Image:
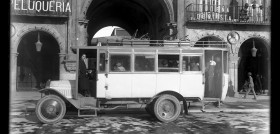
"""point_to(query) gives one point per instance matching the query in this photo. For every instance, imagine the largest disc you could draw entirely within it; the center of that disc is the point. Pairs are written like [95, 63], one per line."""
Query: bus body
[162, 77]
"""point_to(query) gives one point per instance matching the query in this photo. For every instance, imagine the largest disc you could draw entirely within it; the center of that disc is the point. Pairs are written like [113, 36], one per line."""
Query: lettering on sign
[62, 6]
[70, 66]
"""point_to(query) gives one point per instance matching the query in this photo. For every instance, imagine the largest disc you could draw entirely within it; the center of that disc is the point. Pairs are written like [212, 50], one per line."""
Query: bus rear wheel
[50, 109]
[167, 108]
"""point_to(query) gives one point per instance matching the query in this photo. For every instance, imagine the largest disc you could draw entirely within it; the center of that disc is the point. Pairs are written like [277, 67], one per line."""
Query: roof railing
[162, 43]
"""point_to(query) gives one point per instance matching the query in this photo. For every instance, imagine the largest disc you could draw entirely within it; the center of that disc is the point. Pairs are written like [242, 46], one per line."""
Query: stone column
[233, 72]
[181, 19]
[61, 65]
[13, 71]
[82, 37]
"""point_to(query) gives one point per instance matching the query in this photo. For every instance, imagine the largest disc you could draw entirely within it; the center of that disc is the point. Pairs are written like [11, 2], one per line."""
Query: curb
[229, 110]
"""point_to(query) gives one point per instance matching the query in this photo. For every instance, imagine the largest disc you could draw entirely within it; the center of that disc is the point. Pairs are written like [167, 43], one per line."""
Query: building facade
[43, 32]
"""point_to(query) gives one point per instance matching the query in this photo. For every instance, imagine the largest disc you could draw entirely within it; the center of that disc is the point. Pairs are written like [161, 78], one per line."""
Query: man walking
[251, 86]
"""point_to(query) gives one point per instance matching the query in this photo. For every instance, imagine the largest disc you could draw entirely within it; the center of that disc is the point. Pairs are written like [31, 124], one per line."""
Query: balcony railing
[223, 13]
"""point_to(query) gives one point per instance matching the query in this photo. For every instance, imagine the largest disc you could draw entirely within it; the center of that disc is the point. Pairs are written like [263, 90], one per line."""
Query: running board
[87, 109]
[207, 101]
[87, 105]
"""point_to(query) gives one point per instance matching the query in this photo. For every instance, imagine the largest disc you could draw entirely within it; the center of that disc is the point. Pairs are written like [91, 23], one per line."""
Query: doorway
[258, 64]
[35, 67]
[87, 75]
[213, 73]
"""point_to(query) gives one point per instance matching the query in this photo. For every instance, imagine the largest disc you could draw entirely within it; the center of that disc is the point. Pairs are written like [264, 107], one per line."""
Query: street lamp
[38, 44]
[254, 50]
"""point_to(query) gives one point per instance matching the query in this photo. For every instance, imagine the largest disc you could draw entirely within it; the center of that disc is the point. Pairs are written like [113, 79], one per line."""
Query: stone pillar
[82, 37]
[13, 71]
[233, 72]
[181, 19]
[61, 65]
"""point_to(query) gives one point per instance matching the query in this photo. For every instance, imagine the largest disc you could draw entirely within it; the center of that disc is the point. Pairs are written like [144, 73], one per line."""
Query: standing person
[258, 84]
[83, 84]
[209, 75]
[251, 86]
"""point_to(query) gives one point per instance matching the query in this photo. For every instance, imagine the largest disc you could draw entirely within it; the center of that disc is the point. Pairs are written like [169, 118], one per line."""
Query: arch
[24, 32]
[170, 10]
[263, 39]
[146, 16]
[167, 4]
[27, 29]
[203, 40]
[213, 36]
[259, 65]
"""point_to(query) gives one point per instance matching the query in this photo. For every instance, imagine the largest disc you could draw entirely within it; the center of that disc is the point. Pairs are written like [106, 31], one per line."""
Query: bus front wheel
[167, 108]
[50, 109]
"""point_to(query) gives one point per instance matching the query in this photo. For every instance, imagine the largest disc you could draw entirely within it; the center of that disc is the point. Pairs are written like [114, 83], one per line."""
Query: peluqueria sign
[41, 5]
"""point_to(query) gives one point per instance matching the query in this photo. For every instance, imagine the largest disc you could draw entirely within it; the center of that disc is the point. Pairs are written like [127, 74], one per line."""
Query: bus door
[213, 73]
[87, 74]
[225, 75]
[192, 81]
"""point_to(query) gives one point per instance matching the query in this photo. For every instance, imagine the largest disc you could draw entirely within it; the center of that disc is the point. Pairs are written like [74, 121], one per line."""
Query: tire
[167, 108]
[50, 109]
[150, 108]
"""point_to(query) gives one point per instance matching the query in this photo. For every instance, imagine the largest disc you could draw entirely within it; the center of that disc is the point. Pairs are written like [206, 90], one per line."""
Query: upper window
[119, 63]
[191, 63]
[144, 63]
[210, 5]
[168, 63]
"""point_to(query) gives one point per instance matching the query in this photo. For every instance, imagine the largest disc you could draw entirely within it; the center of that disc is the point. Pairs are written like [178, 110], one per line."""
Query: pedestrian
[251, 86]
[258, 84]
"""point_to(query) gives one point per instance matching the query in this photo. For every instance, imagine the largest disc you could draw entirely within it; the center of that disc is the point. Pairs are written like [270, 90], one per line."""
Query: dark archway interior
[148, 16]
[255, 65]
[35, 68]
[206, 41]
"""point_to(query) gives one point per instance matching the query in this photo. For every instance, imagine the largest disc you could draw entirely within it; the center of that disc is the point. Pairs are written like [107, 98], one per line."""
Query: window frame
[119, 54]
[144, 54]
[200, 55]
[179, 64]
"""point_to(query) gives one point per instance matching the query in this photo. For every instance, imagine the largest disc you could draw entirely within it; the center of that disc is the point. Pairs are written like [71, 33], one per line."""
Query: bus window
[144, 63]
[168, 63]
[102, 62]
[191, 63]
[119, 63]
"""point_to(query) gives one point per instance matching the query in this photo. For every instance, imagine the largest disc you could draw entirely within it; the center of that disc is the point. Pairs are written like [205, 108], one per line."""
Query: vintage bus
[163, 75]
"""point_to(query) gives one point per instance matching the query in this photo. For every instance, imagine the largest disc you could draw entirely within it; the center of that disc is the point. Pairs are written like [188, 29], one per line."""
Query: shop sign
[41, 7]
[70, 65]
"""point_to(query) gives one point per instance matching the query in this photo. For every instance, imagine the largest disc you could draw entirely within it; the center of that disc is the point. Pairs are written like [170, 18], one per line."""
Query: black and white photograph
[140, 67]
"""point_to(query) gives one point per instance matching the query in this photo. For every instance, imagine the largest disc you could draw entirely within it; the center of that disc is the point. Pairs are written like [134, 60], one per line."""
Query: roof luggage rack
[161, 43]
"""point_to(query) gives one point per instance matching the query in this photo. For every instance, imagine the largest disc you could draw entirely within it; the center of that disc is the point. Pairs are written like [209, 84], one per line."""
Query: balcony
[228, 14]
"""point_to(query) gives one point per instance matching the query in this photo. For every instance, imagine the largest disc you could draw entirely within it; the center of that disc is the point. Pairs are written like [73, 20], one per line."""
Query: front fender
[48, 91]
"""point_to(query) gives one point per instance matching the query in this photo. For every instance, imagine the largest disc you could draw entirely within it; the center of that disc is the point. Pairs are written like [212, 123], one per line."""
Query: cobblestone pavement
[140, 122]
[234, 116]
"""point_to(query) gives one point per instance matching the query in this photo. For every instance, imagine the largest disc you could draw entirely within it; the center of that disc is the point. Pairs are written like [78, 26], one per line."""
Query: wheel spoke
[50, 109]
[166, 109]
